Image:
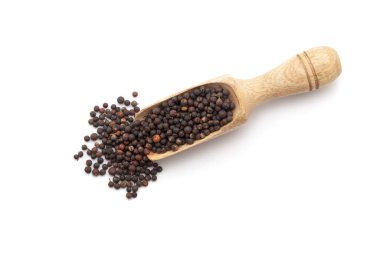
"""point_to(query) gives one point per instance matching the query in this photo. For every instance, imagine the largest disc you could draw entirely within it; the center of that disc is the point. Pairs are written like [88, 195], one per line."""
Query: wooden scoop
[307, 71]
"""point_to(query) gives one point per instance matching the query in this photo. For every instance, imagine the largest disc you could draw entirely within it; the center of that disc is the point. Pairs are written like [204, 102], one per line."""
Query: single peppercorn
[156, 138]
[94, 136]
[87, 169]
[135, 94]
[95, 172]
[120, 100]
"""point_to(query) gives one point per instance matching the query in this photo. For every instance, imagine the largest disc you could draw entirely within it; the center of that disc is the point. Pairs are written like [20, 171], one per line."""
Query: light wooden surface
[307, 71]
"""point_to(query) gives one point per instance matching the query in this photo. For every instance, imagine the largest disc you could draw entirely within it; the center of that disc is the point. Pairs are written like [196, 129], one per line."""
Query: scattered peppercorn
[95, 172]
[87, 169]
[120, 100]
[94, 136]
[123, 144]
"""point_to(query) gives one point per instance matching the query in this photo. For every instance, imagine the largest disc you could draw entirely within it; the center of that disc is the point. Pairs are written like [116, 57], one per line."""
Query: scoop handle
[307, 71]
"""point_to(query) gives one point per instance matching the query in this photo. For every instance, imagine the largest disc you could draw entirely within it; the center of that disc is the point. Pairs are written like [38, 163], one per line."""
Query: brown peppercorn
[94, 136]
[173, 113]
[95, 172]
[135, 94]
[156, 138]
[87, 169]
[112, 171]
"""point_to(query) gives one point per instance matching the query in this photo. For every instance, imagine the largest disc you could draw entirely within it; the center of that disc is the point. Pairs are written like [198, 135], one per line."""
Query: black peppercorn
[87, 169]
[123, 143]
[94, 136]
[95, 172]
[120, 100]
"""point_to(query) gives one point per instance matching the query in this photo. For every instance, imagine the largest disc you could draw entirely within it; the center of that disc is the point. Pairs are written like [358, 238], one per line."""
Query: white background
[303, 174]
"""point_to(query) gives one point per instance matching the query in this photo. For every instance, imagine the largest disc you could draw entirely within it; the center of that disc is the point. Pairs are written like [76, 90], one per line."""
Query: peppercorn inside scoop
[188, 117]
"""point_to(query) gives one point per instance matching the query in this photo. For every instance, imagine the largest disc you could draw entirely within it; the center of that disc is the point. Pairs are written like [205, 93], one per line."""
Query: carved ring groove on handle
[311, 68]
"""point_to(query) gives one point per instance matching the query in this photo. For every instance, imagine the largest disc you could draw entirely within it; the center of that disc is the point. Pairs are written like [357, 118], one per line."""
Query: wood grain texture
[307, 71]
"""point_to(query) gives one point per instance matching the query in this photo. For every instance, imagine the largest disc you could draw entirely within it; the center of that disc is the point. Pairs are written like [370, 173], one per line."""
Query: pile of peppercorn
[186, 118]
[122, 143]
